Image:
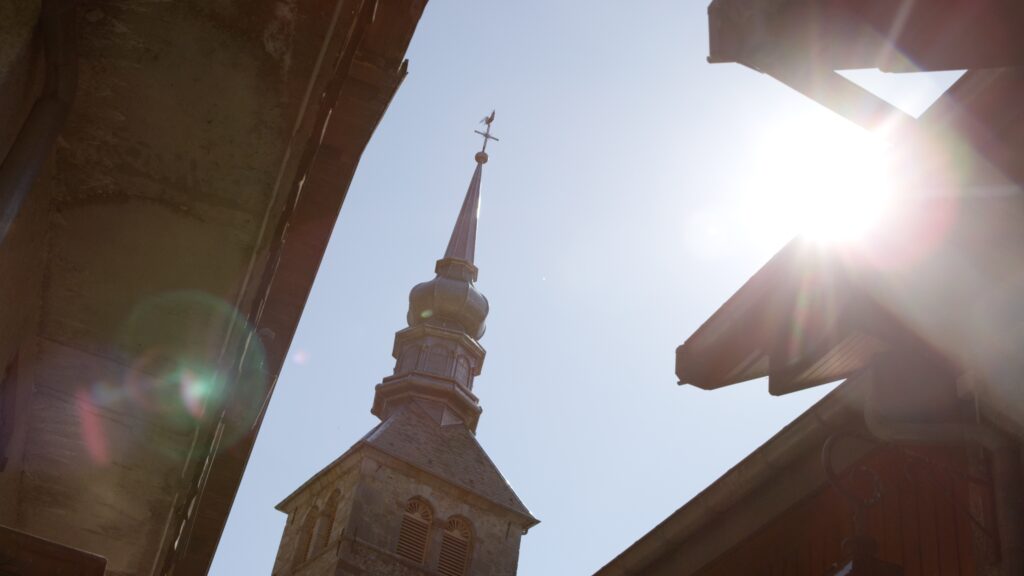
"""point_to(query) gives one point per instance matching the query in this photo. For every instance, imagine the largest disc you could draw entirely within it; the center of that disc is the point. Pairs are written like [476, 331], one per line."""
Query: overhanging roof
[944, 276]
[895, 35]
[177, 229]
[362, 70]
[802, 43]
[801, 320]
[944, 271]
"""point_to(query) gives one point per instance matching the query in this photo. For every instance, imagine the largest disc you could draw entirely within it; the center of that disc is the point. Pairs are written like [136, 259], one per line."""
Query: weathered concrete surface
[16, 34]
[140, 291]
[23, 255]
[90, 458]
[169, 162]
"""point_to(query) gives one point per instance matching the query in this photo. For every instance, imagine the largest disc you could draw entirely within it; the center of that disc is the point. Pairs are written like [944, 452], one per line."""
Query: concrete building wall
[23, 256]
[90, 459]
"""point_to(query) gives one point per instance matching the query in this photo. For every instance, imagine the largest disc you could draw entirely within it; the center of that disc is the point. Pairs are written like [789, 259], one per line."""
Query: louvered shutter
[412, 537]
[455, 544]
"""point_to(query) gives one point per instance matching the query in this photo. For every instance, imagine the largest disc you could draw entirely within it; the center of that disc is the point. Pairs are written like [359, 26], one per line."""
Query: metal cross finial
[487, 135]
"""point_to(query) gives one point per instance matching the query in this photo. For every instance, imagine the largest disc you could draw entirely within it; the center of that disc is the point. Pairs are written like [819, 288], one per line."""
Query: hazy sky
[624, 203]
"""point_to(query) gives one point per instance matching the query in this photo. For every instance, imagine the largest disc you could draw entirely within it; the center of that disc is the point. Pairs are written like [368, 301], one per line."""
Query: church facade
[417, 494]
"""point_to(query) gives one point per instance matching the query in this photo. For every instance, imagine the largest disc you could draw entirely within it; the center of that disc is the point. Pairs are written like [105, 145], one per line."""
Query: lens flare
[300, 357]
[92, 430]
[191, 355]
[195, 390]
[828, 182]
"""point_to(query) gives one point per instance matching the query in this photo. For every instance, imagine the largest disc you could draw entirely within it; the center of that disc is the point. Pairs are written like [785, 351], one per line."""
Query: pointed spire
[462, 245]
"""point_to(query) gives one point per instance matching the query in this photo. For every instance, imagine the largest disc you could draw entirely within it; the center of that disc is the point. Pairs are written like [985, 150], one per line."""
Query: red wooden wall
[922, 522]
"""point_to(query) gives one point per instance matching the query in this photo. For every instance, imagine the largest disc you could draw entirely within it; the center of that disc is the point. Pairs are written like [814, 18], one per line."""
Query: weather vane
[487, 134]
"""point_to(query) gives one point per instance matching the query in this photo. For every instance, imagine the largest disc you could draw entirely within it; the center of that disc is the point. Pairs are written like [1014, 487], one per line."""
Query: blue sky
[616, 216]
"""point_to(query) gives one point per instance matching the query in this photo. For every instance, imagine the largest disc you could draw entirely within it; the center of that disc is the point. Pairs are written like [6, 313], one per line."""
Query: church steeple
[438, 355]
[418, 493]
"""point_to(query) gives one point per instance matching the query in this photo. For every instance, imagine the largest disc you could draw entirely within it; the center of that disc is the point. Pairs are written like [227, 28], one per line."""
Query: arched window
[305, 534]
[412, 537]
[455, 545]
[322, 533]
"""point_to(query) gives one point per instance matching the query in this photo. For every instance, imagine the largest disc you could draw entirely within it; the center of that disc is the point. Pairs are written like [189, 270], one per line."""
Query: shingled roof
[448, 451]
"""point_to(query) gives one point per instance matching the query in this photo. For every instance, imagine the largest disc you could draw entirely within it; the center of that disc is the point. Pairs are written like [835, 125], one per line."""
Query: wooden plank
[963, 522]
[892, 544]
[917, 525]
[814, 541]
[945, 518]
[909, 524]
[926, 524]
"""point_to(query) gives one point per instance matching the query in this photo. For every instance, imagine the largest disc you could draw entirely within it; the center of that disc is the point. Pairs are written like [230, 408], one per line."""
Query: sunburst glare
[825, 181]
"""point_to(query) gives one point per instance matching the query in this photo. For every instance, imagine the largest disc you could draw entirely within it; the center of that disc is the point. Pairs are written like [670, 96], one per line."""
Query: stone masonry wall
[374, 489]
[343, 478]
[380, 503]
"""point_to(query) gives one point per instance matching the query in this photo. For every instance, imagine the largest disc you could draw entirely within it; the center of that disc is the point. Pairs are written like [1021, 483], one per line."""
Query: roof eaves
[808, 431]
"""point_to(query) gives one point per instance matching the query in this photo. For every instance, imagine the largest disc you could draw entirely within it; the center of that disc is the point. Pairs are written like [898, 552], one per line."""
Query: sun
[829, 182]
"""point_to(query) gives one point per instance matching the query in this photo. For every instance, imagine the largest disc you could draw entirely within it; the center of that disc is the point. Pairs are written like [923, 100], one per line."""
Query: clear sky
[629, 196]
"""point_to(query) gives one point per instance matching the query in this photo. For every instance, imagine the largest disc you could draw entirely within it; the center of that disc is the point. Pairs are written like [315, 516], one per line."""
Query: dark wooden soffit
[803, 42]
[27, 555]
[773, 326]
[893, 35]
[368, 63]
[942, 278]
[810, 316]
[980, 113]
[801, 320]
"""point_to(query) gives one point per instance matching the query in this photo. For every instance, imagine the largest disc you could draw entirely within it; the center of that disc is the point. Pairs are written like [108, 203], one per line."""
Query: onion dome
[451, 299]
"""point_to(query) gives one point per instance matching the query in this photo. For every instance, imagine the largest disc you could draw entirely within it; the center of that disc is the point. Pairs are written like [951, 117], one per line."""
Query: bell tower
[418, 495]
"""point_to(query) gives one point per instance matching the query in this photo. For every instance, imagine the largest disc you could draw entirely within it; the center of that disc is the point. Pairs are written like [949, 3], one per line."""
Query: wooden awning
[802, 320]
[943, 277]
[946, 272]
[802, 43]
